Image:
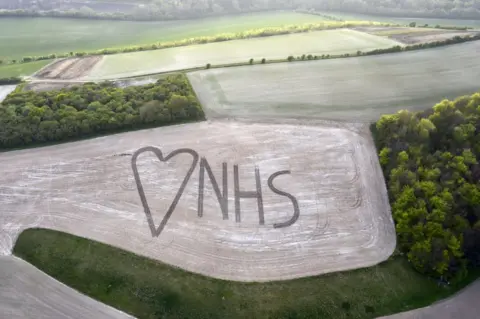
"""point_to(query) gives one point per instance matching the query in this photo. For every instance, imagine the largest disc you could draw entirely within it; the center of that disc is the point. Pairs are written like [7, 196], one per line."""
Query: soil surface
[336, 216]
[411, 36]
[68, 69]
[6, 90]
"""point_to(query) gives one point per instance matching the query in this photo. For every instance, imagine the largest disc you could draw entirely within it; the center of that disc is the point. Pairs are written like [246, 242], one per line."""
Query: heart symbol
[157, 231]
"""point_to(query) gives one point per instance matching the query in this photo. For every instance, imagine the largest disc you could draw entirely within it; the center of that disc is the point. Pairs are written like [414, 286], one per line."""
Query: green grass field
[21, 69]
[40, 36]
[406, 20]
[357, 88]
[276, 47]
[150, 289]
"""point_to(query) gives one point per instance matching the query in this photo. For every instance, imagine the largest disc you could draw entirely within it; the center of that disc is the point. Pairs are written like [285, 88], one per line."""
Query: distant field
[40, 36]
[21, 69]
[358, 88]
[406, 20]
[276, 47]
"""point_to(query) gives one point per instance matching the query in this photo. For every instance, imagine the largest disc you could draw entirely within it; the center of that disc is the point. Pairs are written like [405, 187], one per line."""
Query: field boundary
[247, 34]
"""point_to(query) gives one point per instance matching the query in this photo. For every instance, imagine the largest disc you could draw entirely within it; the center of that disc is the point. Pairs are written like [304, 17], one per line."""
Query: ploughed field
[415, 35]
[247, 202]
[406, 20]
[353, 89]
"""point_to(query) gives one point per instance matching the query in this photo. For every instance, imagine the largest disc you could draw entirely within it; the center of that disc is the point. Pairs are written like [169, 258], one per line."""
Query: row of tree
[28, 117]
[255, 33]
[264, 32]
[11, 80]
[186, 9]
[431, 164]
[397, 48]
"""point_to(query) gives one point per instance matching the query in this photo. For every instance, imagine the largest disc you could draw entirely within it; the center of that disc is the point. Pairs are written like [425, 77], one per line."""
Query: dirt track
[411, 36]
[464, 305]
[87, 188]
[68, 69]
[6, 90]
[26, 292]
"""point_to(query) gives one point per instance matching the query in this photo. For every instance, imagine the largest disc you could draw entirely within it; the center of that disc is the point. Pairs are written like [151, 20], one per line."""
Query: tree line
[11, 80]
[28, 117]
[255, 33]
[397, 48]
[187, 9]
[431, 165]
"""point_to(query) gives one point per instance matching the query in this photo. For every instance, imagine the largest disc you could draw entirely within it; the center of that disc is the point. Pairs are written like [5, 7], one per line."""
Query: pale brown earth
[464, 305]
[40, 86]
[429, 36]
[26, 292]
[88, 189]
[411, 36]
[68, 69]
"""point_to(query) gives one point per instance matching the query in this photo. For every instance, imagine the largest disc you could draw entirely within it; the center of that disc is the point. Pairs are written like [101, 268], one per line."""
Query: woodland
[431, 164]
[173, 9]
[28, 117]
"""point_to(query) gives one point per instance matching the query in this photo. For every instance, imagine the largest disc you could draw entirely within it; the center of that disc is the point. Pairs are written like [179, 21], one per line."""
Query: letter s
[296, 210]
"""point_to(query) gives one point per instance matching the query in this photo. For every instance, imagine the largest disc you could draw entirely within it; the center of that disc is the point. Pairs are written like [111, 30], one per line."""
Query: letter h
[248, 194]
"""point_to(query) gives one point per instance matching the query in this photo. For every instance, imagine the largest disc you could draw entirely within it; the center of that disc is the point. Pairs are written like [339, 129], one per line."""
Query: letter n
[223, 197]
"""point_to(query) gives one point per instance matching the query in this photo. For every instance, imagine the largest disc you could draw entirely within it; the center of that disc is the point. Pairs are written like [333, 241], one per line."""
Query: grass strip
[149, 289]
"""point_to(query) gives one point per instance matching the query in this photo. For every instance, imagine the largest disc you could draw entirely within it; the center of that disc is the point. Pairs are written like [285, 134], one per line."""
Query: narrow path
[464, 305]
[26, 292]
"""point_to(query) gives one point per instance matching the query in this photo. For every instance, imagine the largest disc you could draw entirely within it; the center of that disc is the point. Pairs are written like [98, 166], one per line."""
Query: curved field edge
[150, 289]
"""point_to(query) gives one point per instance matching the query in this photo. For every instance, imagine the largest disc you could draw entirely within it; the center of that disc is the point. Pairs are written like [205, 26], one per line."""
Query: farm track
[464, 304]
[27, 292]
[410, 36]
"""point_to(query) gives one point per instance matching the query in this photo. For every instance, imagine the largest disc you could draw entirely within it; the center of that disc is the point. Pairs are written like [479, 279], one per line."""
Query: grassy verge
[311, 57]
[252, 33]
[150, 289]
[21, 69]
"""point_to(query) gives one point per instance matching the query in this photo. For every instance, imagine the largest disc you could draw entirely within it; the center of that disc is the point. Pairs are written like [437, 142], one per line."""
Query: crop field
[42, 36]
[353, 89]
[275, 47]
[21, 69]
[406, 20]
[335, 216]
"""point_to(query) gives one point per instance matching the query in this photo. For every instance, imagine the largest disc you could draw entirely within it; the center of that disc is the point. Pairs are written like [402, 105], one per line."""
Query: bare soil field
[40, 86]
[415, 35]
[26, 292]
[354, 89]
[67, 69]
[246, 202]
